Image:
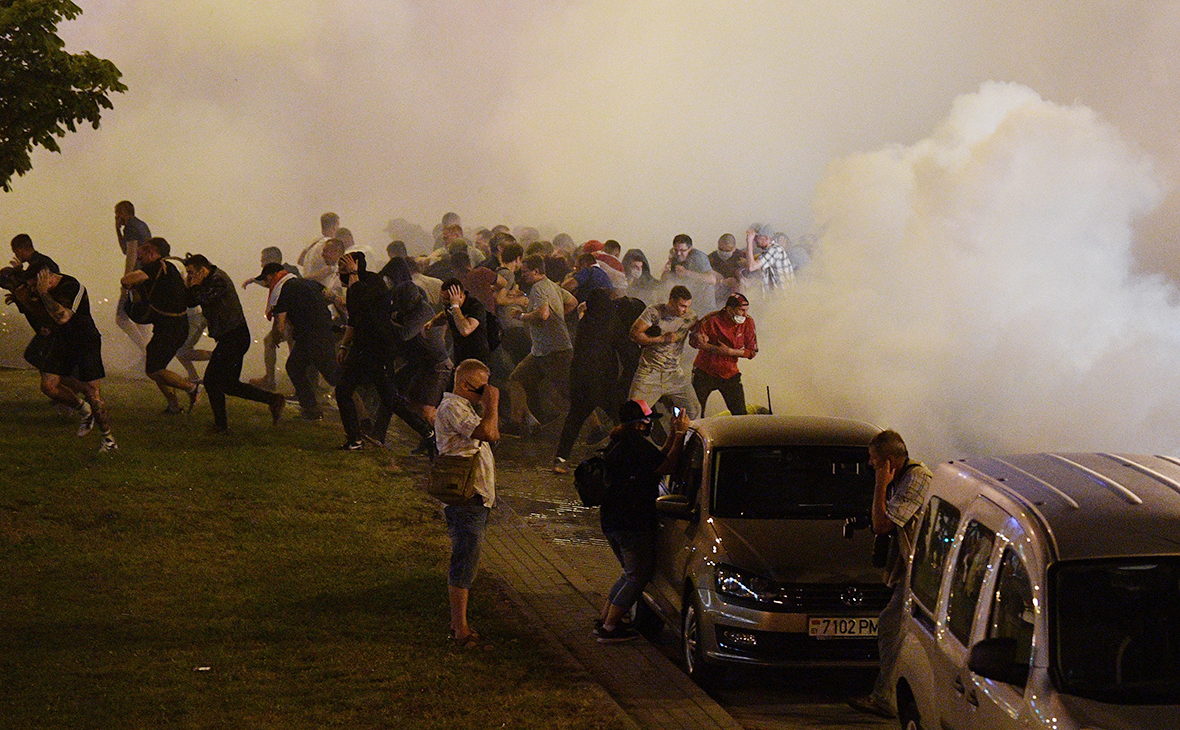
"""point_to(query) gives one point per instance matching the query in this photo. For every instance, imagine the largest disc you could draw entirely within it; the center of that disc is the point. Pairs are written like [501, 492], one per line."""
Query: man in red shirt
[721, 338]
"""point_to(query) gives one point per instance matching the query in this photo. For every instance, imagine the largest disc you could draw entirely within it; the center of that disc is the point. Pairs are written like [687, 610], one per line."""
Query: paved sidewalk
[561, 594]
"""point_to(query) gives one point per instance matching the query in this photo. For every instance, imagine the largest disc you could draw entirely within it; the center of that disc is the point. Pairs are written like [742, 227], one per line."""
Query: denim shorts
[465, 525]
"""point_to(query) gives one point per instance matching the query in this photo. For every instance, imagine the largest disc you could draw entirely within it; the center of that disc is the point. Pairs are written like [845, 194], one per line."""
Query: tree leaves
[45, 92]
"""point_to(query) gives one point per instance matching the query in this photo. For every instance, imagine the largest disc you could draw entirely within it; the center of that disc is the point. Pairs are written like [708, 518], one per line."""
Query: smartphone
[675, 411]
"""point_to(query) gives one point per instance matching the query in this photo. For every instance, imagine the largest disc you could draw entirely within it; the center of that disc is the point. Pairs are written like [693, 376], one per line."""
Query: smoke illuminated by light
[637, 121]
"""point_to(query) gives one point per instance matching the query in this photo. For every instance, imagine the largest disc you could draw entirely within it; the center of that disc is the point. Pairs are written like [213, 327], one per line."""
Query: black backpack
[592, 481]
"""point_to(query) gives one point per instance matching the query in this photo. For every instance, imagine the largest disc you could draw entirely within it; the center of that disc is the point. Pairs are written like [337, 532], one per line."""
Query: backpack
[495, 331]
[591, 480]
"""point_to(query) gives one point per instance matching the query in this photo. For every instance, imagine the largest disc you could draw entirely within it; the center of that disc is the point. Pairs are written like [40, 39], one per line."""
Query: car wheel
[907, 712]
[692, 650]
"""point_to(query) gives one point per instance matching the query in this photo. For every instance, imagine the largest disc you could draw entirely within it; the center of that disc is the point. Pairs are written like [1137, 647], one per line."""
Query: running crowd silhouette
[548, 318]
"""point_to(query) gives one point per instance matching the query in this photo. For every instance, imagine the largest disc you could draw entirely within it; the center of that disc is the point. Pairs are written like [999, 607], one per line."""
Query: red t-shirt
[720, 328]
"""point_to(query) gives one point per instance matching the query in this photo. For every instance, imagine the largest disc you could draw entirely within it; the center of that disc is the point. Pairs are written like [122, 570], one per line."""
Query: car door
[956, 692]
[675, 535]
[1007, 611]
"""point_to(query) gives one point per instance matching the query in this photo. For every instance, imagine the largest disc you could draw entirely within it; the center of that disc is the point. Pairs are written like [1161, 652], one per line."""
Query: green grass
[255, 580]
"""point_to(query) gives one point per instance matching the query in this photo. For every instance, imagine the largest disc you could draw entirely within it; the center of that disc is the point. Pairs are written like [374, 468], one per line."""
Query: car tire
[907, 712]
[692, 651]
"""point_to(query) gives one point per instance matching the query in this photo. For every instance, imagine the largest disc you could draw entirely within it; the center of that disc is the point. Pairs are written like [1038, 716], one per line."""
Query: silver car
[1044, 592]
[764, 551]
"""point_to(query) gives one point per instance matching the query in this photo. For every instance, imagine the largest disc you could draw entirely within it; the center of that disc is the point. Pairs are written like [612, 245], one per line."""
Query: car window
[783, 482]
[935, 537]
[687, 477]
[970, 570]
[1012, 607]
[1116, 629]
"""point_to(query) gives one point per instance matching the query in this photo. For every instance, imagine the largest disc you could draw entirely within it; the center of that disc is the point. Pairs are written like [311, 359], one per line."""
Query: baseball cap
[636, 410]
[271, 268]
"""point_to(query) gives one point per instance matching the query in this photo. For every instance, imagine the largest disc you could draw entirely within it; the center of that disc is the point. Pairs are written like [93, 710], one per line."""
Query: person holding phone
[634, 466]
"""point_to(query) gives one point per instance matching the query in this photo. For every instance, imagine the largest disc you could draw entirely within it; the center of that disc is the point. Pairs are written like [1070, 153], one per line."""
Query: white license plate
[842, 628]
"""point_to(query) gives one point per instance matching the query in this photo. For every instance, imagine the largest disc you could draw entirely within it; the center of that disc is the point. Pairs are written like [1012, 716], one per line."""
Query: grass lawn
[255, 580]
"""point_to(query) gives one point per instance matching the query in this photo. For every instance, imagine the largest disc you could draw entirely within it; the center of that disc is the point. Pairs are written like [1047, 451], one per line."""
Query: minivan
[1044, 592]
[764, 552]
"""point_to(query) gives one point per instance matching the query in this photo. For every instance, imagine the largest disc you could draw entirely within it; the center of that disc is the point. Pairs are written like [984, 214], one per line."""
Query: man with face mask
[721, 338]
[729, 264]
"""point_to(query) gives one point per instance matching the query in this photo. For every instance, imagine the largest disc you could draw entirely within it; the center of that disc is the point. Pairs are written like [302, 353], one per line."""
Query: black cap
[271, 268]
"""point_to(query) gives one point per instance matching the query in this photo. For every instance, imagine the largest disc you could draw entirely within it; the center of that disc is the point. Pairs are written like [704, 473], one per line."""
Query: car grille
[784, 647]
[818, 597]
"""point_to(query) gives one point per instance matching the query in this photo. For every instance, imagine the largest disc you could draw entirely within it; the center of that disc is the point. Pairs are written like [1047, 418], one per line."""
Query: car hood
[1088, 713]
[798, 551]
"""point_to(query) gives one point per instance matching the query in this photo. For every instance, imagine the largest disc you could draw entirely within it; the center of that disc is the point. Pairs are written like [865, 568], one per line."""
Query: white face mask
[725, 255]
[739, 318]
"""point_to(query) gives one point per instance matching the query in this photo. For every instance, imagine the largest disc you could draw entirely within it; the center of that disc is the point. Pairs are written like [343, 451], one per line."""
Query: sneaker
[369, 435]
[560, 465]
[108, 445]
[351, 446]
[172, 409]
[192, 397]
[86, 425]
[622, 622]
[277, 404]
[621, 633]
[871, 705]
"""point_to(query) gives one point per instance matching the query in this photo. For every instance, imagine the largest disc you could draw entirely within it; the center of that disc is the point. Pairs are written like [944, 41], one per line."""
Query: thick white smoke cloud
[976, 290]
[639, 120]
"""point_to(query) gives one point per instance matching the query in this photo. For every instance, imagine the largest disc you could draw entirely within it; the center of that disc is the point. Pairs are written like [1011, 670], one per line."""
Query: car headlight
[744, 586]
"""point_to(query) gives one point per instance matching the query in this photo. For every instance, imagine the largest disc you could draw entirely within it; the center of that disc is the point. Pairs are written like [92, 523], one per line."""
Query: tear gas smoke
[976, 290]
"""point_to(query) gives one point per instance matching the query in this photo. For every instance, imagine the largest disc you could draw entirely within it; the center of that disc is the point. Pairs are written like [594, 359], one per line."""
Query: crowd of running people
[548, 318]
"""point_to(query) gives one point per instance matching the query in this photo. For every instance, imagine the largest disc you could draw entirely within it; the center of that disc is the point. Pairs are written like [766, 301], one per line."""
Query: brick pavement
[560, 594]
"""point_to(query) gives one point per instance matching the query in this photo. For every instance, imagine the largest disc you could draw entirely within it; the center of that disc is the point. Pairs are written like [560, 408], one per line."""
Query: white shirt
[454, 422]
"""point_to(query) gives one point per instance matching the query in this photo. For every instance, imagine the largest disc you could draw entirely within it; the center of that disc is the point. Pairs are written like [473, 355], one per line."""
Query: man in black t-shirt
[467, 321]
[160, 286]
[301, 315]
[75, 351]
[20, 280]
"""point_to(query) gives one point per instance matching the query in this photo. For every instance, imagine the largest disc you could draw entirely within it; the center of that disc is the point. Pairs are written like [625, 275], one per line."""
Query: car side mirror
[676, 506]
[995, 659]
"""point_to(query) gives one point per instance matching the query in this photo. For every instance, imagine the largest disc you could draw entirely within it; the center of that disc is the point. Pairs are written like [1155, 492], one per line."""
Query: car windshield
[1117, 630]
[779, 482]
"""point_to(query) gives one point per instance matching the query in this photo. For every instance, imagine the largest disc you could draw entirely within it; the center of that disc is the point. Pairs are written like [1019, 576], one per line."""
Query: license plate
[842, 628]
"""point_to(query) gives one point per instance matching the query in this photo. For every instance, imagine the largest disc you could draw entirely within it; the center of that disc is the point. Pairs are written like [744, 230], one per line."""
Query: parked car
[764, 549]
[1044, 592]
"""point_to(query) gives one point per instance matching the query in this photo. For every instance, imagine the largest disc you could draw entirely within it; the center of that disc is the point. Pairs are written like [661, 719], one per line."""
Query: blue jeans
[636, 551]
[465, 525]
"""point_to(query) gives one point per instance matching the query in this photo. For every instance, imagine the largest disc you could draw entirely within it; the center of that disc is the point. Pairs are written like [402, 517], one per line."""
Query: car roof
[758, 430]
[1094, 505]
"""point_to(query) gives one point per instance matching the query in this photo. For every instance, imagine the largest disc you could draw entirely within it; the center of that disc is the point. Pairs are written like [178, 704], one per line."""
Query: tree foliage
[44, 91]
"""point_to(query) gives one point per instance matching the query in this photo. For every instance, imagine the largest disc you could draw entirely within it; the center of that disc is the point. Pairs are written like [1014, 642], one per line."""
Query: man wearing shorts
[75, 351]
[161, 285]
[461, 430]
